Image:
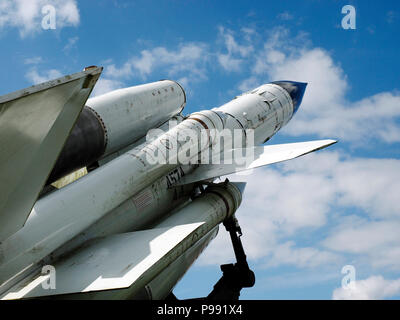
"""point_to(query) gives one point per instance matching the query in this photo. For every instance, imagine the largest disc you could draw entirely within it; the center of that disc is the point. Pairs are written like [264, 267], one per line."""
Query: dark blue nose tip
[295, 89]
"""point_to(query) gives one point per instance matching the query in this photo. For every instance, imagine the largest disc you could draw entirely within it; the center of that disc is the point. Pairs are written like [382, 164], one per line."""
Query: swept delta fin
[34, 125]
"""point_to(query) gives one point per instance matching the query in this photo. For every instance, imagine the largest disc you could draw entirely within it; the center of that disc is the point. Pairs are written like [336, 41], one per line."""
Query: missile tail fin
[34, 125]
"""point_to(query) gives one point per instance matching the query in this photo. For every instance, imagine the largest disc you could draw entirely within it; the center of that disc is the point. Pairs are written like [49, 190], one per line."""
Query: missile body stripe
[86, 143]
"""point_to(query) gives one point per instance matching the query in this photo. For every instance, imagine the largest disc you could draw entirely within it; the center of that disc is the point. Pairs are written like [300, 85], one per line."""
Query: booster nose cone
[295, 89]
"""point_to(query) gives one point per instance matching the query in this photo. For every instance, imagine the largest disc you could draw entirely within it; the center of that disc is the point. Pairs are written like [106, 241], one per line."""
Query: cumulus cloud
[301, 196]
[106, 85]
[369, 184]
[372, 288]
[365, 238]
[232, 60]
[248, 84]
[325, 111]
[376, 242]
[188, 60]
[307, 257]
[37, 77]
[27, 15]
[228, 62]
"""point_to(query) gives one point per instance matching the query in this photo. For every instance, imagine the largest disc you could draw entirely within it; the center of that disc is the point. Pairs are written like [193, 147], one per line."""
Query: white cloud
[27, 16]
[102, 86]
[372, 288]
[231, 44]
[248, 84]
[248, 33]
[124, 72]
[326, 82]
[145, 63]
[187, 61]
[375, 243]
[190, 61]
[35, 77]
[298, 279]
[229, 63]
[106, 85]
[307, 257]
[67, 12]
[325, 110]
[365, 238]
[370, 184]
[232, 60]
[300, 196]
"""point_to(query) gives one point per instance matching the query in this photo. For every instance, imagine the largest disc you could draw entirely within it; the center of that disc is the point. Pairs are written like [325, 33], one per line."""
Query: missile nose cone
[295, 89]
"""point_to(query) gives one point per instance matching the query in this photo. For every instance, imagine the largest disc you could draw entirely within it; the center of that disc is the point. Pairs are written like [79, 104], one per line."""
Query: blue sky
[305, 219]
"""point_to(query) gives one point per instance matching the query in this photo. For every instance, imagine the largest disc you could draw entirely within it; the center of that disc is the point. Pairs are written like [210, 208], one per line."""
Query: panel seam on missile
[240, 124]
[223, 199]
[201, 122]
[184, 96]
[102, 125]
[205, 127]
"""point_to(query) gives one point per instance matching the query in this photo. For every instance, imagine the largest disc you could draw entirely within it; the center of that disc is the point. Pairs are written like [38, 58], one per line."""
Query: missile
[67, 212]
[115, 120]
[134, 190]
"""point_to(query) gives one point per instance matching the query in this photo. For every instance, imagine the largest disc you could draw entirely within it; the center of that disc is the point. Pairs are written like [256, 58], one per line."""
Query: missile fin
[34, 125]
[112, 262]
[237, 160]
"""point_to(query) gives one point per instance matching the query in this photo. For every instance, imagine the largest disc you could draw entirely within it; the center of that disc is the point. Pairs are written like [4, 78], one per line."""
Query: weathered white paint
[63, 214]
[127, 114]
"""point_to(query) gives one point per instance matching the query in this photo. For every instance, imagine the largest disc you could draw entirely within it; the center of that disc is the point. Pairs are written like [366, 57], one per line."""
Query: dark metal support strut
[235, 276]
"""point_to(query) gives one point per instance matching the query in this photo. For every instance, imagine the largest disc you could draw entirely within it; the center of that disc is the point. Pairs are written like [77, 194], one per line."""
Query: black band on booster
[85, 145]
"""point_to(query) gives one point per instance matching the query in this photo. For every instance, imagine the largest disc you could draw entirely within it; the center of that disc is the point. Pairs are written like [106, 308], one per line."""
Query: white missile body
[127, 114]
[265, 110]
[125, 199]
